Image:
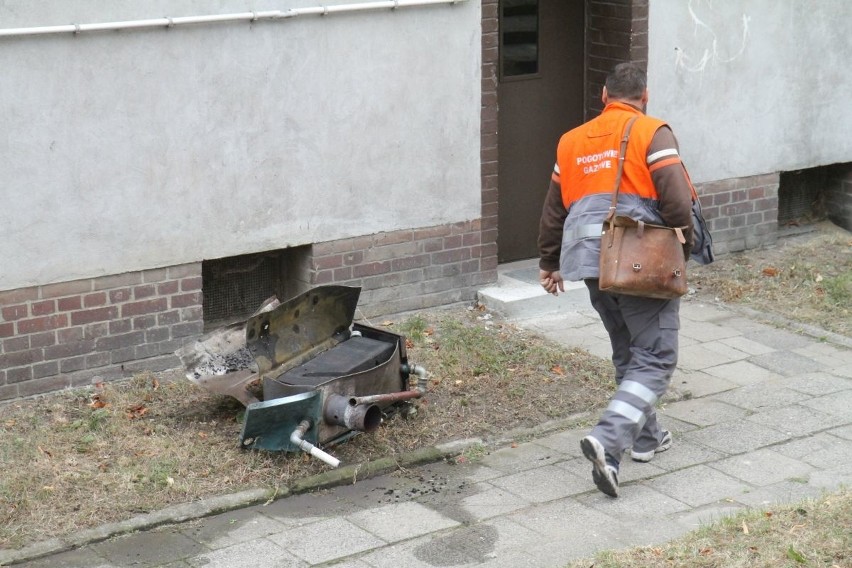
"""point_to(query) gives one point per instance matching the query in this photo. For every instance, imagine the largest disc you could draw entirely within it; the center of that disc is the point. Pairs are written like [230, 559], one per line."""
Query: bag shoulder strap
[622, 154]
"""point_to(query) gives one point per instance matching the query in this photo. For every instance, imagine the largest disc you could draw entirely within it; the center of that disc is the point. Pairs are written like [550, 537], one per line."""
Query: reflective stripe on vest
[587, 156]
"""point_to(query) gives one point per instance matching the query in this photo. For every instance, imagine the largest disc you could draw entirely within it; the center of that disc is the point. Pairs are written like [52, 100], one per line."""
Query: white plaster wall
[753, 86]
[131, 150]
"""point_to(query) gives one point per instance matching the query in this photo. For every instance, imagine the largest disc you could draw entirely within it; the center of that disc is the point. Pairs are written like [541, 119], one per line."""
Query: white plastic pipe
[215, 18]
[305, 446]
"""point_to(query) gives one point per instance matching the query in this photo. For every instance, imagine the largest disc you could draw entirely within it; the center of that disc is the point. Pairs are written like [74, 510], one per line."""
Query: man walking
[655, 188]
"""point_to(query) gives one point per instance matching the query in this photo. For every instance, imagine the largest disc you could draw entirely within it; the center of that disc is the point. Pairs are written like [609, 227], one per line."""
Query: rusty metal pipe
[361, 417]
[390, 397]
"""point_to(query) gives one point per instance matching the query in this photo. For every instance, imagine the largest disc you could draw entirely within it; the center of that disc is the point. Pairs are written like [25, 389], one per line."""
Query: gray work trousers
[643, 333]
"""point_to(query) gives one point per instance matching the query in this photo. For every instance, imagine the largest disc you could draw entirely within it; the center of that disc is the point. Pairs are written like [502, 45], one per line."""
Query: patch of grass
[806, 278]
[813, 533]
[77, 459]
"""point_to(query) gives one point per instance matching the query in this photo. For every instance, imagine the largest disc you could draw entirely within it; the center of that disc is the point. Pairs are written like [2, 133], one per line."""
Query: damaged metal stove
[309, 376]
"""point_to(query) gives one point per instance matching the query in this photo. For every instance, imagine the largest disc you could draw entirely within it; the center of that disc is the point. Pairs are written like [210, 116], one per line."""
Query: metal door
[540, 96]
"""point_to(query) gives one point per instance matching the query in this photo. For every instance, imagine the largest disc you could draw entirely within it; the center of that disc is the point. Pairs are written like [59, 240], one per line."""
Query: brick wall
[407, 270]
[742, 213]
[838, 195]
[63, 335]
[616, 31]
[489, 140]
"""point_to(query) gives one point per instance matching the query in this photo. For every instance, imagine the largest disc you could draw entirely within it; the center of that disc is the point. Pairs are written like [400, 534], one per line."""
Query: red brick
[322, 277]
[326, 262]
[190, 284]
[453, 242]
[341, 274]
[168, 318]
[43, 339]
[12, 313]
[69, 304]
[69, 350]
[395, 238]
[95, 300]
[19, 375]
[145, 322]
[119, 295]
[144, 307]
[145, 291]
[69, 334]
[351, 258]
[118, 281]
[21, 358]
[41, 386]
[43, 308]
[97, 314]
[7, 329]
[168, 288]
[155, 275]
[120, 326]
[46, 323]
[184, 271]
[18, 343]
[371, 269]
[97, 329]
[48, 369]
[66, 288]
[17, 296]
[184, 300]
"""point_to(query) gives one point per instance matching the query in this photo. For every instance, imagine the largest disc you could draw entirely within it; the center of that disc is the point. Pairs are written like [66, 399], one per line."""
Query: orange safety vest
[587, 156]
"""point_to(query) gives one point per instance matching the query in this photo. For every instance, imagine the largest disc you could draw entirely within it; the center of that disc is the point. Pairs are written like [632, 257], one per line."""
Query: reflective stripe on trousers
[643, 333]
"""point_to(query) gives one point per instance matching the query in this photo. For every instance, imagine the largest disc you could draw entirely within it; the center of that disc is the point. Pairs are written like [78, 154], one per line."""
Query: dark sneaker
[604, 474]
[645, 457]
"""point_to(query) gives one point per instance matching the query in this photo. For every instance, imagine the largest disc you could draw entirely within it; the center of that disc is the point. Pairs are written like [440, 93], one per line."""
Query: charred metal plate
[268, 425]
[301, 327]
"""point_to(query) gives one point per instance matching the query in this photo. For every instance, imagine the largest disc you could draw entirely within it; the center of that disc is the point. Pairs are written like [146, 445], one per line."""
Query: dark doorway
[540, 96]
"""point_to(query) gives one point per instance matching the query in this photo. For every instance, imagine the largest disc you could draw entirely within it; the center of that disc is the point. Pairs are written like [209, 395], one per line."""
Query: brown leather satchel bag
[638, 258]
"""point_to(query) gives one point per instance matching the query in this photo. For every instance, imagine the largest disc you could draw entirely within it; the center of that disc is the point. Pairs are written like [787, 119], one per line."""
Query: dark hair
[627, 81]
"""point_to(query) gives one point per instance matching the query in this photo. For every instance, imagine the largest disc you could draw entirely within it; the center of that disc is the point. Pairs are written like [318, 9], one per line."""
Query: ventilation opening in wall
[235, 287]
[801, 199]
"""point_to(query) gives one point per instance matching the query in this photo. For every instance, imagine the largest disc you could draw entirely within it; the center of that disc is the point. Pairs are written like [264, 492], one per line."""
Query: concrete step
[518, 293]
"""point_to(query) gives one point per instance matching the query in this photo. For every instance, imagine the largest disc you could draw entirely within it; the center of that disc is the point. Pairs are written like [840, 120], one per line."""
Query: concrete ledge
[519, 294]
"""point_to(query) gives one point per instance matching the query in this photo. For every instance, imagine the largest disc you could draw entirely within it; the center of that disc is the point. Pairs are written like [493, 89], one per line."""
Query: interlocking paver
[542, 484]
[816, 384]
[698, 485]
[384, 521]
[741, 372]
[787, 363]
[703, 412]
[796, 420]
[736, 437]
[313, 543]
[839, 403]
[763, 467]
[759, 397]
[699, 383]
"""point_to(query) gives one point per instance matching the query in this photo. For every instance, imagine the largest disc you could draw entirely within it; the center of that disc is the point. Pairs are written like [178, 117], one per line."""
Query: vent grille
[235, 287]
[801, 196]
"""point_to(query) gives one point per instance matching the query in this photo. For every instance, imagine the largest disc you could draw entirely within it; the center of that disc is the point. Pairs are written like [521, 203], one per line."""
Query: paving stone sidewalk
[766, 418]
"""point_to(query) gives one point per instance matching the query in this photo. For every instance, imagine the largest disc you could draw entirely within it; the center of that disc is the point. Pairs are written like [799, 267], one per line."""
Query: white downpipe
[167, 22]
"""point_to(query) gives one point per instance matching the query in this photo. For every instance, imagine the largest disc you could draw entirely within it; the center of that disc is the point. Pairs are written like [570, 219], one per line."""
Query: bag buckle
[637, 266]
[676, 273]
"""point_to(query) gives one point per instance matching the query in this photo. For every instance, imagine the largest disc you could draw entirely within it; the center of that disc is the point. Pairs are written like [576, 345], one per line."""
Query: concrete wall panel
[752, 87]
[133, 150]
